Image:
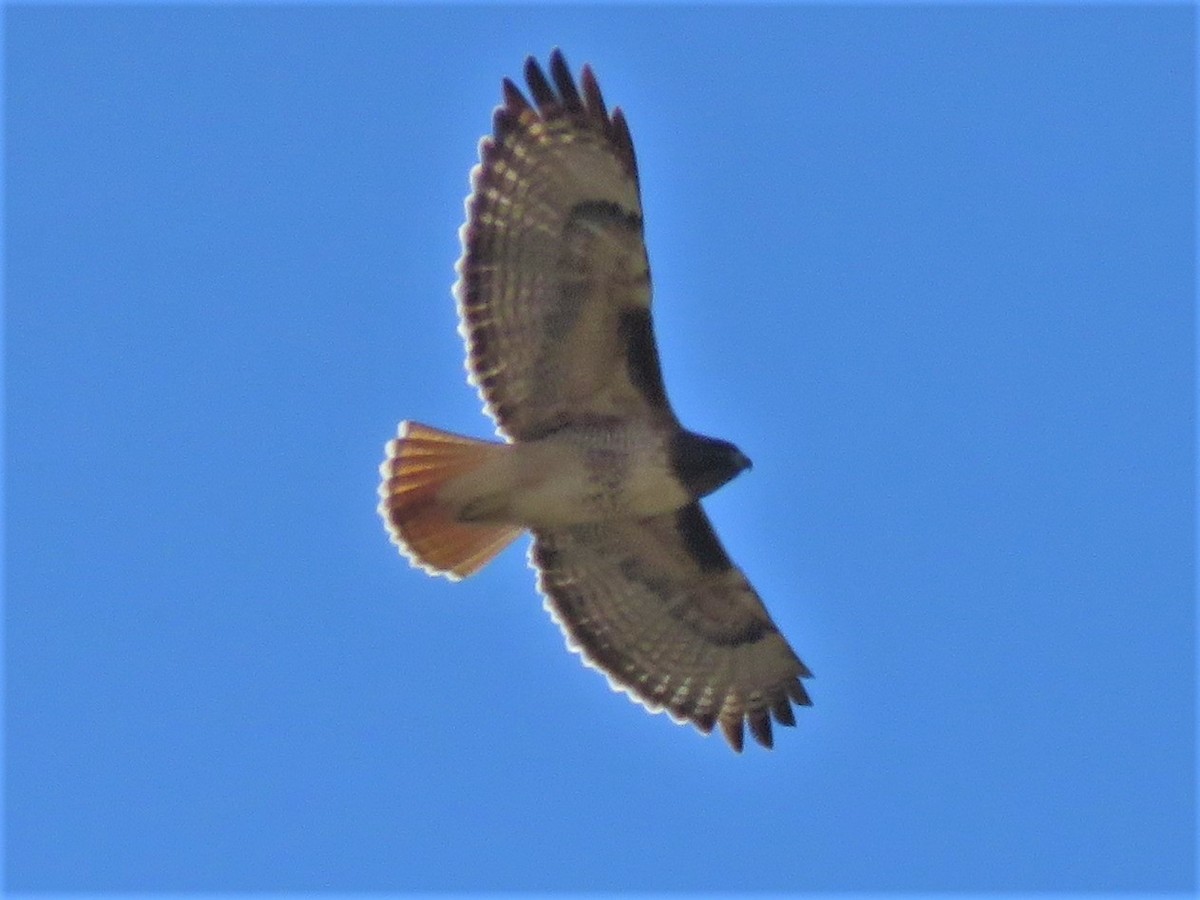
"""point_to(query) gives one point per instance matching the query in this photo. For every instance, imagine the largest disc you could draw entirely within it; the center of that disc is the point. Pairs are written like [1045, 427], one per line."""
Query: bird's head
[702, 464]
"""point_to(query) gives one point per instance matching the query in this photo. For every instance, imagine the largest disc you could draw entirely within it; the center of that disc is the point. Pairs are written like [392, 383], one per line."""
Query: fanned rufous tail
[420, 461]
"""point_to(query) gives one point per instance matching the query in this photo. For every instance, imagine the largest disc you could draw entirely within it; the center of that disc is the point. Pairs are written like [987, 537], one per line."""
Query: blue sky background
[932, 268]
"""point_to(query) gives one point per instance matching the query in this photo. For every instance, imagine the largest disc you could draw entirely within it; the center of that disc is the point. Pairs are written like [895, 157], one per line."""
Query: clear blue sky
[932, 268]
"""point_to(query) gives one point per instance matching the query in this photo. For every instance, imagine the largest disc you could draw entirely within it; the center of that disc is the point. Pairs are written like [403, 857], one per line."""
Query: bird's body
[589, 472]
[554, 300]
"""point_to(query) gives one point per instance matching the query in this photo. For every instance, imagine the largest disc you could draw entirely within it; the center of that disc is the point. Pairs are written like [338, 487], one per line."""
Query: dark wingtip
[733, 733]
[539, 86]
[558, 93]
[798, 694]
[760, 727]
[561, 73]
[592, 95]
[782, 710]
[513, 96]
[621, 130]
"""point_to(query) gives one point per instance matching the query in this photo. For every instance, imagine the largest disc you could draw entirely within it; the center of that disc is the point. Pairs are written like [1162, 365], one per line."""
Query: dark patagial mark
[700, 540]
[641, 356]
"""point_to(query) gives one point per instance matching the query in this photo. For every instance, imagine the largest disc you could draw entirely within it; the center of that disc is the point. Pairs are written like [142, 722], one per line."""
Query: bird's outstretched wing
[554, 284]
[659, 608]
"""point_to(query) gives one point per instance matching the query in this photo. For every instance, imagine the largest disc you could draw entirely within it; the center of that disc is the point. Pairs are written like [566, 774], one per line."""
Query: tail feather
[419, 464]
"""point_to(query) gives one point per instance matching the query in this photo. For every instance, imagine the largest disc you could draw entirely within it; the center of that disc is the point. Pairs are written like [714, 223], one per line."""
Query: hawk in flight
[554, 304]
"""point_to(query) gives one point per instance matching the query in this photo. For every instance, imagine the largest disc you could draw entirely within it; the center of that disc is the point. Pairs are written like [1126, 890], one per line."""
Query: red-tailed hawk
[554, 301]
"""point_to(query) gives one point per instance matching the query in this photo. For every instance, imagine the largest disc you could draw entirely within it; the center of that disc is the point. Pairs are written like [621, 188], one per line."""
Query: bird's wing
[554, 284]
[659, 608]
